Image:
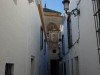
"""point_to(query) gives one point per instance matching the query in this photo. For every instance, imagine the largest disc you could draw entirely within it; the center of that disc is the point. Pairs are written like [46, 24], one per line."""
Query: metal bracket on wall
[95, 14]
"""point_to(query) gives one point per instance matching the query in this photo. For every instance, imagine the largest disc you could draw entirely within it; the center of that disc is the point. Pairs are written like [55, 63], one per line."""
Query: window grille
[69, 31]
[96, 11]
[41, 38]
[44, 47]
[63, 45]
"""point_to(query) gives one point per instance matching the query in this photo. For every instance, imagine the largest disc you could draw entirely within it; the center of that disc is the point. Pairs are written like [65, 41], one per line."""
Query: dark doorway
[54, 67]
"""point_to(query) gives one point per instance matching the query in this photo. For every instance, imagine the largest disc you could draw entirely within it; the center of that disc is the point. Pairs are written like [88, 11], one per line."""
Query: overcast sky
[53, 4]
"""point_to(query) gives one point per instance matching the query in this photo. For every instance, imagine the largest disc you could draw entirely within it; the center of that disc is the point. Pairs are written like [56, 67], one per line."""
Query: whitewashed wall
[66, 56]
[86, 49]
[88, 41]
[20, 36]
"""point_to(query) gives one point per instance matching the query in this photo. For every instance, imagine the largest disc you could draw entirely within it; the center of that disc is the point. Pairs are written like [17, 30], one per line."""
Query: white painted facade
[20, 37]
[84, 53]
[65, 56]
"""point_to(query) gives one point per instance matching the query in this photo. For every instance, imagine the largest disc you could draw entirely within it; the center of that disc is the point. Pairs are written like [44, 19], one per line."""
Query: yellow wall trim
[42, 20]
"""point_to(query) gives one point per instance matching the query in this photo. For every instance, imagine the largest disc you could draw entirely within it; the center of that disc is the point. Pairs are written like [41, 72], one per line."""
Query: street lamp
[74, 12]
[66, 5]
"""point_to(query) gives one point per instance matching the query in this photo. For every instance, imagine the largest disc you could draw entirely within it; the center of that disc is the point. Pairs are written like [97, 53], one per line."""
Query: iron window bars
[63, 45]
[96, 11]
[69, 32]
[41, 38]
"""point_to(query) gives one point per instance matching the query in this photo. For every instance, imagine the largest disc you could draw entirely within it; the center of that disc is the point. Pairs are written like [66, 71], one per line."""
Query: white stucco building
[64, 51]
[21, 23]
[83, 54]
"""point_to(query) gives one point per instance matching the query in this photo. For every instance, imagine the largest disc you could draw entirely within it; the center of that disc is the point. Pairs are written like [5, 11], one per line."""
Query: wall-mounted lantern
[66, 5]
[74, 12]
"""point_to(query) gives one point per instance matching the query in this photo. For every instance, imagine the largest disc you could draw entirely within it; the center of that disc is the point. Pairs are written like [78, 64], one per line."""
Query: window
[9, 69]
[44, 47]
[99, 10]
[63, 45]
[96, 10]
[41, 38]
[69, 31]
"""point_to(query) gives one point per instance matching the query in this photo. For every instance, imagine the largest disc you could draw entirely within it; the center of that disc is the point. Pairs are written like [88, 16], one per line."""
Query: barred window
[44, 47]
[69, 32]
[41, 38]
[63, 45]
[96, 10]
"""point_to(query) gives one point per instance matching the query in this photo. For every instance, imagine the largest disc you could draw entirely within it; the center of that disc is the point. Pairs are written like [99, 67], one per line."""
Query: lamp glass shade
[66, 6]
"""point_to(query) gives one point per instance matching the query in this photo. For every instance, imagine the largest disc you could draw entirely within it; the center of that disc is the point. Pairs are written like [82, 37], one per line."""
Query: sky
[54, 5]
